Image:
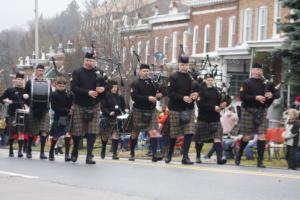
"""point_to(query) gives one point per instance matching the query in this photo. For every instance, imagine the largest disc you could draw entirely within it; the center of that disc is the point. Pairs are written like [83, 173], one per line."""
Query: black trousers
[291, 157]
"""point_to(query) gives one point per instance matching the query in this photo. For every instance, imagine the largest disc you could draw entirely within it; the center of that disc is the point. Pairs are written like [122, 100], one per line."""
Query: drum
[22, 115]
[121, 120]
[40, 94]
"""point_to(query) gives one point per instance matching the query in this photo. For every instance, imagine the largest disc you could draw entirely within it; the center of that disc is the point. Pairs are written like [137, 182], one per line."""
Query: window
[247, 25]
[147, 52]
[262, 23]
[219, 24]
[231, 31]
[165, 49]
[195, 39]
[124, 54]
[277, 16]
[185, 41]
[206, 38]
[174, 49]
[139, 48]
[156, 48]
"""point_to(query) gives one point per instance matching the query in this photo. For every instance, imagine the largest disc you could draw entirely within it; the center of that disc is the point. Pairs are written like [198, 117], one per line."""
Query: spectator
[291, 137]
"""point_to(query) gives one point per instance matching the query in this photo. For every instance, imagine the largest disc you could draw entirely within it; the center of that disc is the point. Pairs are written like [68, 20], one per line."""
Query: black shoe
[60, 151]
[198, 160]
[186, 161]
[74, 156]
[222, 162]
[237, 160]
[28, 154]
[43, 156]
[102, 154]
[115, 157]
[67, 158]
[51, 155]
[132, 157]
[90, 160]
[260, 164]
[168, 159]
[20, 154]
[56, 150]
[156, 158]
[11, 153]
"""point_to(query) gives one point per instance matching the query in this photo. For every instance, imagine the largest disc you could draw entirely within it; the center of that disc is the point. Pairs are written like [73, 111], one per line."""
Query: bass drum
[40, 94]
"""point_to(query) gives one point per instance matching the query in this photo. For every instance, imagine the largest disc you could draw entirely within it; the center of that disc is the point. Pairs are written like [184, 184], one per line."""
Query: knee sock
[115, 144]
[30, 140]
[67, 145]
[76, 142]
[43, 142]
[198, 147]
[11, 144]
[154, 143]
[219, 150]
[53, 143]
[242, 147]
[20, 142]
[261, 149]
[187, 143]
[132, 146]
[211, 151]
[91, 138]
[103, 147]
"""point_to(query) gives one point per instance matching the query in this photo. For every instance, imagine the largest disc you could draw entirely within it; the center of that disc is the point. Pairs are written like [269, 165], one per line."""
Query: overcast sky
[16, 13]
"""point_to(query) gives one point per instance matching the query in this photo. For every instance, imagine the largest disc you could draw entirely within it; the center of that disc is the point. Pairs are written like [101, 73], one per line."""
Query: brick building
[234, 33]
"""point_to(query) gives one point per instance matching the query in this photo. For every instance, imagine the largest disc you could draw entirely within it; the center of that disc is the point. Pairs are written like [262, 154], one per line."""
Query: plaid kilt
[247, 124]
[138, 123]
[78, 127]
[208, 131]
[56, 131]
[106, 133]
[10, 129]
[177, 129]
[36, 125]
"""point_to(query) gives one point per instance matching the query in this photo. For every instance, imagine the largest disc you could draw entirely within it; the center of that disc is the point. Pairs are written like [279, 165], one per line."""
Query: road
[41, 179]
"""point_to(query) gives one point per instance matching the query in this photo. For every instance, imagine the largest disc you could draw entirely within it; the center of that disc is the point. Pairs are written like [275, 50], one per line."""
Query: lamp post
[36, 32]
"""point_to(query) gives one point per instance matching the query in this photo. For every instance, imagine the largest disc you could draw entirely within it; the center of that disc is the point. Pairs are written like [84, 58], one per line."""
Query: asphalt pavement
[41, 179]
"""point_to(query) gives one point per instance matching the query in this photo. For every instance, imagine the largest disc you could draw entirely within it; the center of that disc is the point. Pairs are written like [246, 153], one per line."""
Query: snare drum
[22, 115]
[121, 121]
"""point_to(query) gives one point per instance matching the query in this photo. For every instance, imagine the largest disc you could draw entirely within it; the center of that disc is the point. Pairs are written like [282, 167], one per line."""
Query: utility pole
[36, 32]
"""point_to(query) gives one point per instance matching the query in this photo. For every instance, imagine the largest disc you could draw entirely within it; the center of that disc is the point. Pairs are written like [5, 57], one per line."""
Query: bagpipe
[156, 79]
[223, 86]
[110, 71]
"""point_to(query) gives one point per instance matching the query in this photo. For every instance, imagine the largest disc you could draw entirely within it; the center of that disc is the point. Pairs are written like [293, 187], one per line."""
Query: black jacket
[140, 91]
[61, 103]
[209, 98]
[180, 85]
[109, 103]
[254, 87]
[83, 81]
[16, 96]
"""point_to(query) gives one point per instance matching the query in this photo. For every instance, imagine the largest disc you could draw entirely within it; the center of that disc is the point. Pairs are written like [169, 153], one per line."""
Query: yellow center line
[207, 169]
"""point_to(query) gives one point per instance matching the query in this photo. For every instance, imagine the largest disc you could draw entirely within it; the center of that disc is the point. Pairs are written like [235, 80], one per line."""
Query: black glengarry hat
[90, 55]
[208, 75]
[183, 59]
[40, 66]
[19, 75]
[144, 66]
[257, 65]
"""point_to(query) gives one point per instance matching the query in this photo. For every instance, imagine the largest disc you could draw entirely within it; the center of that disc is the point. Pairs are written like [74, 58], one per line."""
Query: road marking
[18, 175]
[207, 169]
